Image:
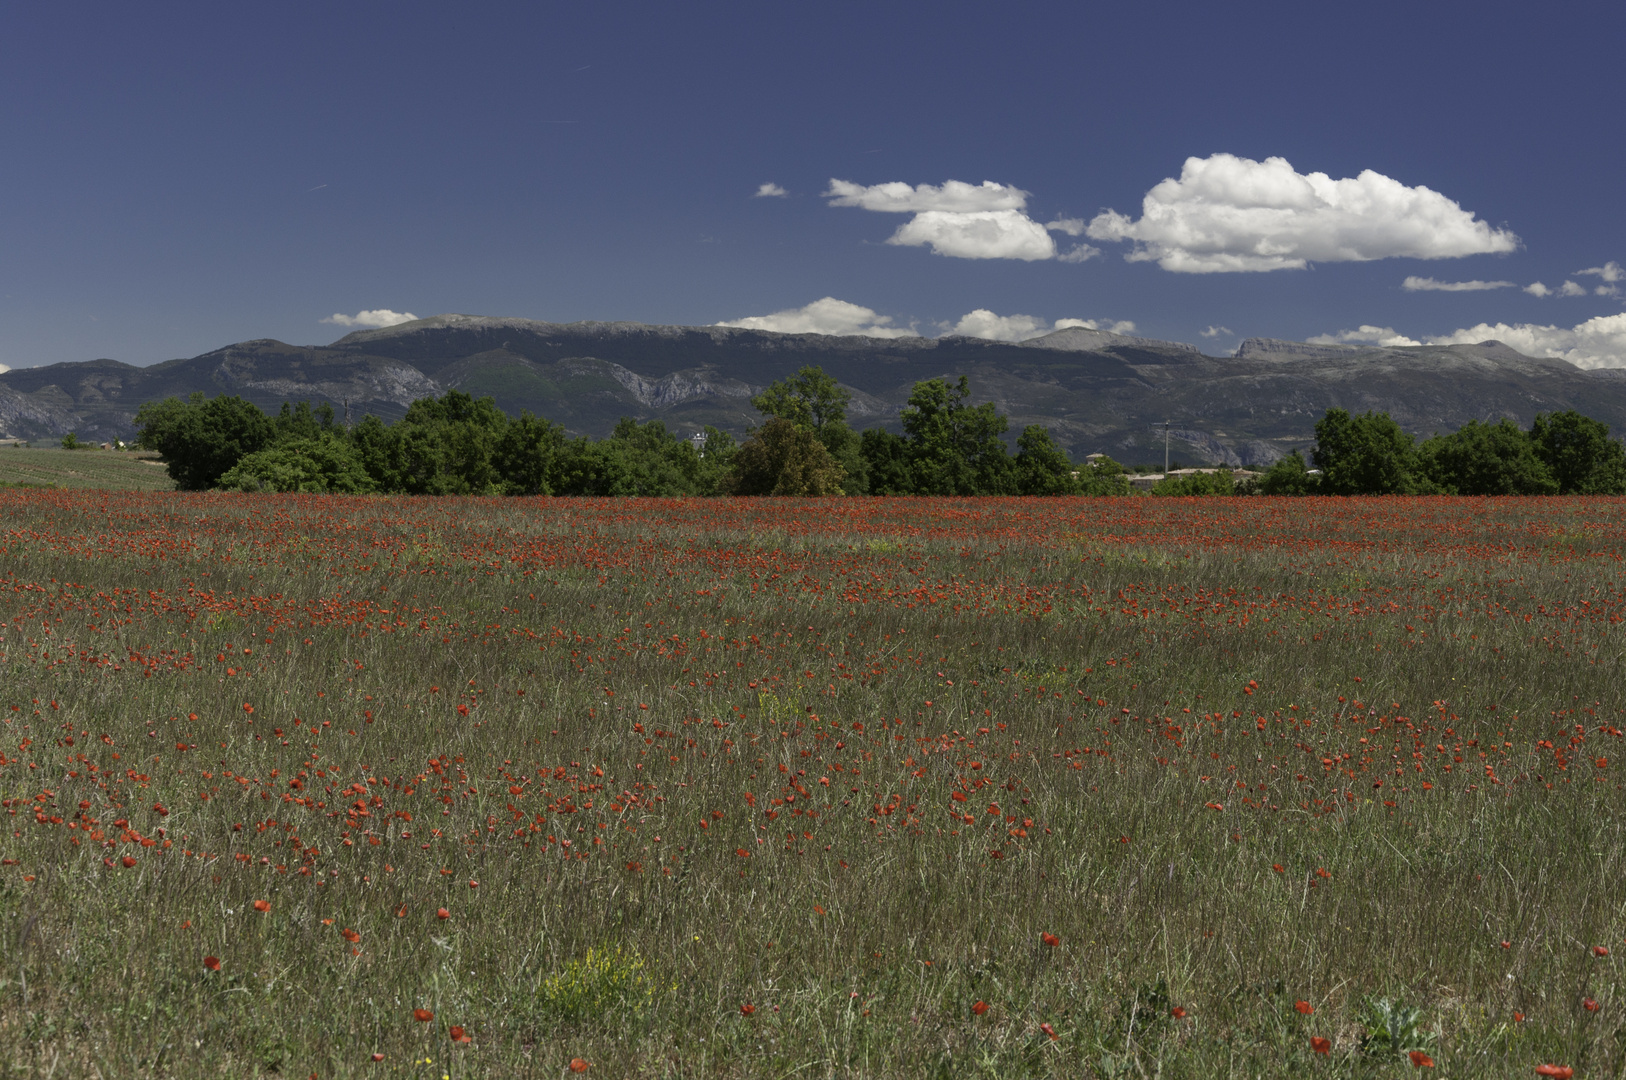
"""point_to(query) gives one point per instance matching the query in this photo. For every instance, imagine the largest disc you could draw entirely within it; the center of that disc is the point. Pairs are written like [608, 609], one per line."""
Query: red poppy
[350, 935]
[980, 1008]
[262, 906]
[747, 1010]
[1214, 806]
[459, 1035]
[1507, 944]
[1320, 1045]
[422, 1016]
[212, 963]
[578, 1065]
[742, 853]
[1048, 1030]
[443, 914]
[1557, 1072]
[1304, 1007]
[129, 861]
[1050, 939]
[1420, 1060]
[378, 1057]
[1589, 1004]
[1278, 867]
[1178, 1013]
[1599, 950]
[1518, 1018]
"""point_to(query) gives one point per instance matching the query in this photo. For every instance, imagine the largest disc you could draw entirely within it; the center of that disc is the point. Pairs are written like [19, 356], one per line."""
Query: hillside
[1096, 391]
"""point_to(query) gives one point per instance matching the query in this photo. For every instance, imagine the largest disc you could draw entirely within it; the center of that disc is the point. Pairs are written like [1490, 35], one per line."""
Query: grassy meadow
[113, 470]
[373, 787]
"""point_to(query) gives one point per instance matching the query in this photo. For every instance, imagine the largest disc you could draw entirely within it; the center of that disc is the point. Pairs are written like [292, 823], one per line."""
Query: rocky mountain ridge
[1096, 390]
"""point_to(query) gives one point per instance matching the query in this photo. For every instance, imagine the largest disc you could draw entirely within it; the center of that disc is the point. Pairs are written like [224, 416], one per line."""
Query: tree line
[1563, 453]
[457, 445]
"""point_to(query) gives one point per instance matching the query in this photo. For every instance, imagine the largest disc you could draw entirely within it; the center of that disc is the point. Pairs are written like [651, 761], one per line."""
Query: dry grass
[1398, 755]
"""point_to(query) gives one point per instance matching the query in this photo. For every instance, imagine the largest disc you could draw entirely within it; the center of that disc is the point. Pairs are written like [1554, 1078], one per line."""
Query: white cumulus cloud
[1569, 288]
[1216, 331]
[1227, 213]
[1428, 284]
[1078, 253]
[960, 220]
[1609, 271]
[1365, 335]
[1596, 343]
[378, 317]
[1072, 226]
[983, 323]
[954, 196]
[979, 234]
[826, 316]
[770, 191]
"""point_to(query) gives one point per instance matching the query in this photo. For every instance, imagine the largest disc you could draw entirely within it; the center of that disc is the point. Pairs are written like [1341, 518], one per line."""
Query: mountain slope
[1097, 391]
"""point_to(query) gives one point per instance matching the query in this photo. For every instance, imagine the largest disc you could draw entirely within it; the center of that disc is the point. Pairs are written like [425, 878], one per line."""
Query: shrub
[604, 981]
[308, 465]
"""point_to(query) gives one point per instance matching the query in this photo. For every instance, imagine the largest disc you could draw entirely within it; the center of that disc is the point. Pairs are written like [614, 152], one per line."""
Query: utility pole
[1165, 448]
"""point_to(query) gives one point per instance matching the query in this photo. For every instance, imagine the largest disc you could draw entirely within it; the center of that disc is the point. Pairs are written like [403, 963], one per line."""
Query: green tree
[663, 463]
[809, 399]
[1366, 455]
[320, 465]
[1288, 476]
[639, 459]
[302, 422]
[1103, 477]
[201, 439]
[886, 463]
[784, 458]
[371, 439]
[813, 400]
[527, 455]
[1486, 459]
[154, 420]
[717, 453]
[955, 448]
[1200, 483]
[1041, 467]
[1579, 454]
[442, 446]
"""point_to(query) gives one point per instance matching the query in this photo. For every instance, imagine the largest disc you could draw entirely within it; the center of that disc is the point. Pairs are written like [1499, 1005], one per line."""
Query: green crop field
[440, 788]
[110, 469]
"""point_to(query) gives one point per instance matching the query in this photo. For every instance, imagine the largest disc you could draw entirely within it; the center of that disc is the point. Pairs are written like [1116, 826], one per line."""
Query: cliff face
[1097, 391]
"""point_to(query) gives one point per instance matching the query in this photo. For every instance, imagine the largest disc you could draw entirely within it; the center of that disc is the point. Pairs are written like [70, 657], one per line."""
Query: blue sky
[174, 178]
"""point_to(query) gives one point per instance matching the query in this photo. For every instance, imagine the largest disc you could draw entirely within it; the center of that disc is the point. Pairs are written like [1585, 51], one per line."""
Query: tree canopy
[456, 444]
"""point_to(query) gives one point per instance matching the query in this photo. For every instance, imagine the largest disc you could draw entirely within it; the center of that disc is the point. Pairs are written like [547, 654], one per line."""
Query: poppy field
[366, 787]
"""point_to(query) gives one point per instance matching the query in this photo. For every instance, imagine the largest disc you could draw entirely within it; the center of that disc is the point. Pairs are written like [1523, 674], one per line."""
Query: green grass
[364, 711]
[107, 469]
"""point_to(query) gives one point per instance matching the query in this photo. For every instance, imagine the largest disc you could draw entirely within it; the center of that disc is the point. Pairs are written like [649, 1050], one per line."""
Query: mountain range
[1096, 391]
